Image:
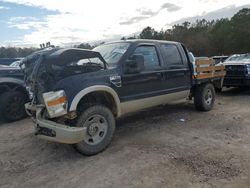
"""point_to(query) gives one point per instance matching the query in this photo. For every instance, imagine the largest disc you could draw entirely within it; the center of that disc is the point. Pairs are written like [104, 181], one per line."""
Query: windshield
[242, 57]
[112, 53]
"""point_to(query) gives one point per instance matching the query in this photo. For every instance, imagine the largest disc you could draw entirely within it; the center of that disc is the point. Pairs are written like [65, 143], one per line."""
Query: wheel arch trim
[92, 89]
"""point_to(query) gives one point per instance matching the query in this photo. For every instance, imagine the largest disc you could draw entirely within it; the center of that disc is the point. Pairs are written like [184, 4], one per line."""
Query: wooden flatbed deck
[206, 69]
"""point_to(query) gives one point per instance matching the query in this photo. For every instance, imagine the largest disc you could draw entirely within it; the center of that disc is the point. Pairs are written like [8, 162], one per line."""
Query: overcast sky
[31, 22]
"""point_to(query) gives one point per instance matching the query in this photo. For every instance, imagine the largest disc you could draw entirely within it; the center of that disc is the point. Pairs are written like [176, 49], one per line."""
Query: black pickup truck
[13, 94]
[78, 93]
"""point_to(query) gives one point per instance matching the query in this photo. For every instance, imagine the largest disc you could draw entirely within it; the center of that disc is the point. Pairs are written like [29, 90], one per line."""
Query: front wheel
[100, 124]
[204, 97]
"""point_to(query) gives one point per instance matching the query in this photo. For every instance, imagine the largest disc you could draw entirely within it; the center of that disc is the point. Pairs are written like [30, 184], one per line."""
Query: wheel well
[98, 97]
[7, 87]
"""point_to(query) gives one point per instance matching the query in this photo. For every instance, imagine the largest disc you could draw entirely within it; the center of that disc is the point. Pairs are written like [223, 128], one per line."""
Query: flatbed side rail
[206, 69]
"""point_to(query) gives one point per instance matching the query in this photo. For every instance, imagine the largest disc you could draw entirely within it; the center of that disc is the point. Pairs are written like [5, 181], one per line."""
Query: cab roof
[144, 41]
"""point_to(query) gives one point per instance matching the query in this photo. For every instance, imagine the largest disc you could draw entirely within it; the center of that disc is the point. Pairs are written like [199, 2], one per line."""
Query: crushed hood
[63, 56]
[43, 69]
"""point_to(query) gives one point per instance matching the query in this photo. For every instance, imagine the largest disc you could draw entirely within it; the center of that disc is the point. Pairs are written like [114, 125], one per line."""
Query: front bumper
[52, 131]
[236, 81]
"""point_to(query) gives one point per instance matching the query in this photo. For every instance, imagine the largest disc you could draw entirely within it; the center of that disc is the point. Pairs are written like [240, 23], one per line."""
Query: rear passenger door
[177, 71]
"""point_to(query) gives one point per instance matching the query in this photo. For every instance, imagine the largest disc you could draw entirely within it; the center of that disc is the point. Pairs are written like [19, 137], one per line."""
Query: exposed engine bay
[43, 69]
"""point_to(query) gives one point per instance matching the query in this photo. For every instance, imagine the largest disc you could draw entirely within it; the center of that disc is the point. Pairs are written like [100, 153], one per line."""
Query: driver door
[148, 82]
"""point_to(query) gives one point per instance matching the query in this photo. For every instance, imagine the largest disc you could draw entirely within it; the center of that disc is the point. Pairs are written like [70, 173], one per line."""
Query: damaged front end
[49, 104]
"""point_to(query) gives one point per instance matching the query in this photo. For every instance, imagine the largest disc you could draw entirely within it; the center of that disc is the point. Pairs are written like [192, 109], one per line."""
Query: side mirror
[134, 65]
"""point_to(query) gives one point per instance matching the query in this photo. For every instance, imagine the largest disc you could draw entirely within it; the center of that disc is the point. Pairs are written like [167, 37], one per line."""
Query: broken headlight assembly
[56, 103]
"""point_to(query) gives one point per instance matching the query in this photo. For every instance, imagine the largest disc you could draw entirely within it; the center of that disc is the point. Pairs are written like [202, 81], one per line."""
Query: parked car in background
[219, 59]
[8, 61]
[16, 64]
[13, 94]
[238, 70]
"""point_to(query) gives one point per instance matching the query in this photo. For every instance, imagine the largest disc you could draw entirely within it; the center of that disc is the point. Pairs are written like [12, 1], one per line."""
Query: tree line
[204, 38]
[208, 38]
[14, 52]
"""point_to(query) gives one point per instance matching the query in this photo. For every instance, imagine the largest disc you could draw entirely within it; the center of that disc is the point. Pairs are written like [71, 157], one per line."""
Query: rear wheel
[100, 124]
[204, 97]
[12, 105]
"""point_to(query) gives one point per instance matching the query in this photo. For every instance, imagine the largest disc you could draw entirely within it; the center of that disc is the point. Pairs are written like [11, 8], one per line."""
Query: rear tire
[100, 123]
[204, 97]
[12, 106]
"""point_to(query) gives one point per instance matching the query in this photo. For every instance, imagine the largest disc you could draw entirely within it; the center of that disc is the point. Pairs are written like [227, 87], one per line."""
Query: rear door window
[172, 56]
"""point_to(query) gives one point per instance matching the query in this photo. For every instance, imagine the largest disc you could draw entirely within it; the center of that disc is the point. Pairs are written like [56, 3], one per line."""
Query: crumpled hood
[45, 68]
[55, 56]
[32, 61]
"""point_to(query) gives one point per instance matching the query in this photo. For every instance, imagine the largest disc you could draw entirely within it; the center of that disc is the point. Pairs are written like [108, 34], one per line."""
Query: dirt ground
[167, 146]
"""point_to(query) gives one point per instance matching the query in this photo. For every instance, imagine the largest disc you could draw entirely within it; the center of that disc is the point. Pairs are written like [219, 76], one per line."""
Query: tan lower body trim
[135, 105]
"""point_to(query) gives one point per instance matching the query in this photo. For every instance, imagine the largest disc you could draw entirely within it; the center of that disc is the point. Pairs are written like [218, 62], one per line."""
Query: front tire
[100, 124]
[12, 106]
[204, 97]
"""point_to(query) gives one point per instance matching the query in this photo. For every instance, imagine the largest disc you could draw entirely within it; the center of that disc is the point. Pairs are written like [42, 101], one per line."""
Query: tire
[12, 106]
[100, 123]
[204, 97]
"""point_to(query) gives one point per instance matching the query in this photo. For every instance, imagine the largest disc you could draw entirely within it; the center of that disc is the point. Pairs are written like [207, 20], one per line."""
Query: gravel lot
[167, 146]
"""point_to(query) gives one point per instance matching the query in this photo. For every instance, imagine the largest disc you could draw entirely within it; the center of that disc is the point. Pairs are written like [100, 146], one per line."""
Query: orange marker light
[57, 101]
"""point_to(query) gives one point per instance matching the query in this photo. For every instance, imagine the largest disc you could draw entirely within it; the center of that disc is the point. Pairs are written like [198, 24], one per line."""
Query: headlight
[56, 103]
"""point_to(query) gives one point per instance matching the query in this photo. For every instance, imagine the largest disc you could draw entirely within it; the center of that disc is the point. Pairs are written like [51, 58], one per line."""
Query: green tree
[220, 36]
[240, 28]
[84, 46]
[148, 33]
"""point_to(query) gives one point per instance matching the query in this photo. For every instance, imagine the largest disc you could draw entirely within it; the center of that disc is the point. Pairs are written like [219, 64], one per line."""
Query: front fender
[91, 89]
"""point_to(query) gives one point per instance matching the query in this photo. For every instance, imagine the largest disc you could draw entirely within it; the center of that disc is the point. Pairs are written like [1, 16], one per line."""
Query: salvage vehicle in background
[8, 61]
[78, 93]
[16, 64]
[219, 59]
[238, 70]
[13, 94]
